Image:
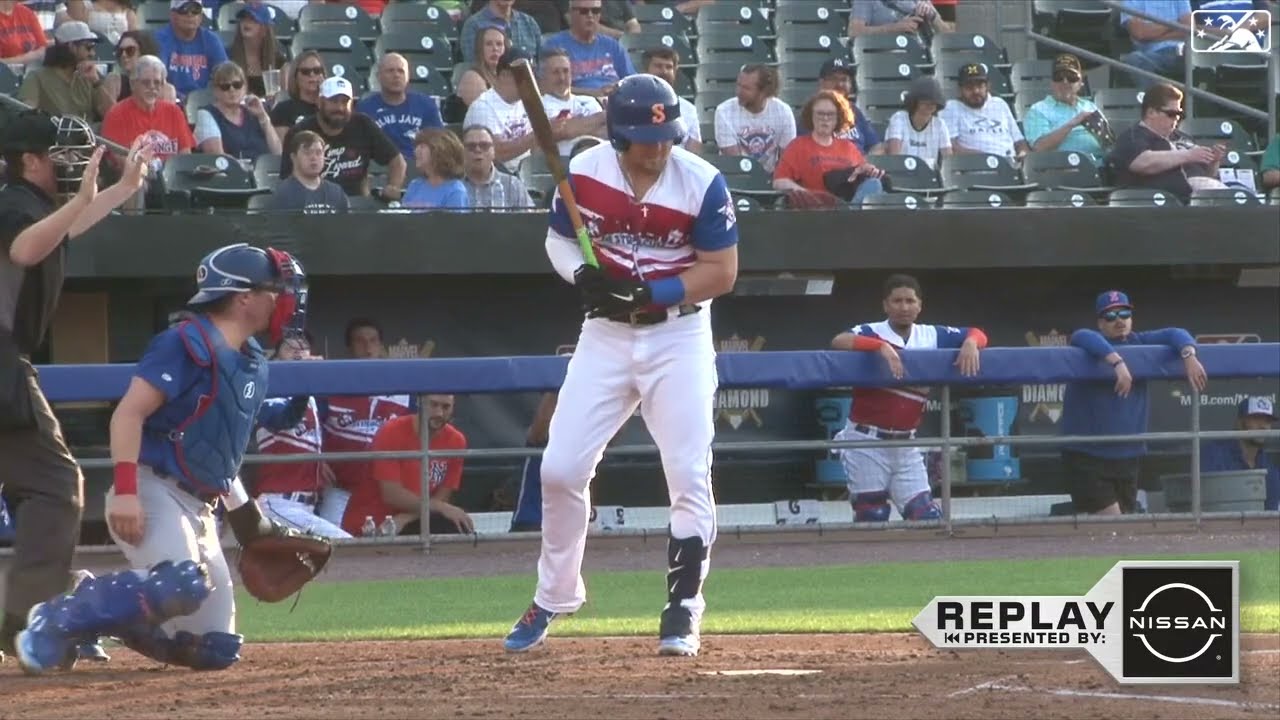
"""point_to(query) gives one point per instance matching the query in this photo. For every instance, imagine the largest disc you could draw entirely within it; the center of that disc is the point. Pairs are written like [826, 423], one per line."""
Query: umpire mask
[73, 145]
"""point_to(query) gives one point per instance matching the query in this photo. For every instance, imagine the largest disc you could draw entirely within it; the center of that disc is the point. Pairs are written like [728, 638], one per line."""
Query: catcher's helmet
[67, 140]
[644, 109]
[242, 268]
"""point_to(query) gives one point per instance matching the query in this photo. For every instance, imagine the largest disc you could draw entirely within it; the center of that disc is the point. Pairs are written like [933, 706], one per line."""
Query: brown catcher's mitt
[810, 200]
[276, 565]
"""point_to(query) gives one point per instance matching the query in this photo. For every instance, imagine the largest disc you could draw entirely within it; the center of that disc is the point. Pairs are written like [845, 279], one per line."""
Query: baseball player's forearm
[711, 276]
[125, 431]
[1092, 342]
[977, 337]
[855, 342]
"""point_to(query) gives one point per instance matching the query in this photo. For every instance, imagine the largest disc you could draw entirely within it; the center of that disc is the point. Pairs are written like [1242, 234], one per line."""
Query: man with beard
[981, 123]
[877, 475]
[353, 140]
[1255, 413]
[665, 63]
[755, 122]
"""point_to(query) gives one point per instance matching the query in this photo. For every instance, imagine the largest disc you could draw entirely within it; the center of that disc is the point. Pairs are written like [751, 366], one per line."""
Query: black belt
[884, 434]
[653, 317]
[305, 498]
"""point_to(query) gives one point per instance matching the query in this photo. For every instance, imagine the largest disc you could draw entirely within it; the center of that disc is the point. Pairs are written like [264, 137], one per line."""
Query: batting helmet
[644, 109]
[242, 268]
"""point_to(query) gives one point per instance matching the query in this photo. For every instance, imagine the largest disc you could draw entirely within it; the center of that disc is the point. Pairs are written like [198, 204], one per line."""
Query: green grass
[849, 598]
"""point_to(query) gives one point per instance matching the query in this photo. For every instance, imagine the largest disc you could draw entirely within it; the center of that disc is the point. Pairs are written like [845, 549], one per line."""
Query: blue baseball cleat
[530, 631]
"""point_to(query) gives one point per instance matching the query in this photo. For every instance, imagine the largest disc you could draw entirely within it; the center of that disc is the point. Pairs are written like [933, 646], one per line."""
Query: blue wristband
[667, 291]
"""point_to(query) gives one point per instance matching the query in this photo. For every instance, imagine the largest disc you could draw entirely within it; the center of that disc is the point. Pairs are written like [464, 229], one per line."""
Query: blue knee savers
[871, 507]
[922, 507]
[103, 605]
[210, 651]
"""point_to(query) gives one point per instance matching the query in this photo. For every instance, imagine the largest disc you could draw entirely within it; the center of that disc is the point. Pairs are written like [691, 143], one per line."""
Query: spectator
[255, 48]
[1153, 154]
[133, 45]
[1254, 413]
[189, 50]
[1103, 478]
[22, 39]
[109, 18]
[979, 122]
[493, 42]
[438, 156]
[399, 112]
[616, 18]
[598, 61]
[572, 116]
[755, 123]
[161, 123]
[1057, 122]
[665, 63]
[235, 123]
[499, 109]
[306, 189]
[837, 75]
[1271, 165]
[399, 482]
[547, 13]
[304, 92]
[805, 162]
[919, 130]
[486, 187]
[522, 29]
[1156, 48]
[353, 142]
[896, 17]
[67, 82]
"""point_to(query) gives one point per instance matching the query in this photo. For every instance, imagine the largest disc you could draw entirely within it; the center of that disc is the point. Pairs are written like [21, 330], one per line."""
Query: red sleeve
[385, 468]
[33, 25]
[866, 343]
[787, 165]
[453, 477]
[977, 336]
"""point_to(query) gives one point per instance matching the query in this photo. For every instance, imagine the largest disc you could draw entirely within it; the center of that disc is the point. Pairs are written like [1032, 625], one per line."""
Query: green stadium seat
[1059, 199]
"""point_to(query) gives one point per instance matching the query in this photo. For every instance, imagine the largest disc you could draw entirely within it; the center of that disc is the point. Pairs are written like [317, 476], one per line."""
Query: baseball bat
[531, 98]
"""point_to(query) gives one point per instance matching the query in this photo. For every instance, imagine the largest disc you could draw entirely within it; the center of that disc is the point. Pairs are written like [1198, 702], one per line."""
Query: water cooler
[833, 412]
[988, 417]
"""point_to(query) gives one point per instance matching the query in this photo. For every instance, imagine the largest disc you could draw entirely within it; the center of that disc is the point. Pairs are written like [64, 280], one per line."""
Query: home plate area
[736, 676]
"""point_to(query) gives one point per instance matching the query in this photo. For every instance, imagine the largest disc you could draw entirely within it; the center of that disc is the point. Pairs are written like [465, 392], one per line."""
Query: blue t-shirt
[450, 194]
[166, 366]
[599, 64]
[402, 122]
[190, 62]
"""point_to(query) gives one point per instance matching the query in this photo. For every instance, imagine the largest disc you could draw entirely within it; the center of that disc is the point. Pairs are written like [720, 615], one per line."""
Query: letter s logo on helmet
[644, 109]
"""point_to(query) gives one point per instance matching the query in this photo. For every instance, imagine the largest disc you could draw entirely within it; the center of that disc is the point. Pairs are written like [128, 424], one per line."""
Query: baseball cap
[1112, 299]
[1257, 406]
[335, 86]
[834, 66]
[179, 4]
[33, 131]
[258, 12]
[510, 57]
[73, 31]
[1069, 63]
[972, 71]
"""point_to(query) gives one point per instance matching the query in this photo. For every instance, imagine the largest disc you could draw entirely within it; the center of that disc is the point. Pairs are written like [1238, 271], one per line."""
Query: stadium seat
[344, 54]
[1031, 72]
[707, 101]
[796, 40]
[1273, 198]
[281, 23]
[259, 203]
[424, 78]
[9, 80]
[152, 15]
[745, 203]
[732, 18]
[745, 177]
[345, 18]
[725, 43]
[1141, 197]
[1061, 170]
[200, 180]
[431, 50]
[895, 201]
[266, 175]
[1085, 23]
[717, 76]
[880, 104]
[1122, 106]
[982, 171]
[1210, 131]
[975, 199]
[886, 71]
[1236, 76]
[1229, 197]
[967, 47]
[800, 69]
[195, 100]
[1059, 199]
[795, 96]
[364, 204]
[653, 16]
[419, 18]
[908, 45]
[909, 174]
[537, 177]
[648, 38]
[810, 13]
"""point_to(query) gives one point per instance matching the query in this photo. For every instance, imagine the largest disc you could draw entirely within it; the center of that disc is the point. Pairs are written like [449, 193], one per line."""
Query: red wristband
[126, 478]
[866, 343]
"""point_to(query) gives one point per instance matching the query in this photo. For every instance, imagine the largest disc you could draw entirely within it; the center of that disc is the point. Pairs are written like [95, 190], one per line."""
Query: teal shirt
[1049, 114]
[1271, 158]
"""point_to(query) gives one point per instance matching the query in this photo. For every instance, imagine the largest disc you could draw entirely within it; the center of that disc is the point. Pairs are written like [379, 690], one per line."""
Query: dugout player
[51, 196]
[177, 439]
[878, 475]
[663, 228]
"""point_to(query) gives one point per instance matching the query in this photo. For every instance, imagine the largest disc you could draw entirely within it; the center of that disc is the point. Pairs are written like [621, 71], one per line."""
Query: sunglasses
[233, 85]
[190, 10]
[478, 146]
[1113, 315]
[588, 11]
[311, 71]
[1172, 114]
[1066, 77]
[127, 51]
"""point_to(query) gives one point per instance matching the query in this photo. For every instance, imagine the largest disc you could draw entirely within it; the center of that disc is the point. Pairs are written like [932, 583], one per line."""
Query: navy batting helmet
[644, 109]
[242, 268]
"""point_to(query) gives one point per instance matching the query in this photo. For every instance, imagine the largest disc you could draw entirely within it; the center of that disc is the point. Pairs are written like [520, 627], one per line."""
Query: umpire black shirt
[28, 296]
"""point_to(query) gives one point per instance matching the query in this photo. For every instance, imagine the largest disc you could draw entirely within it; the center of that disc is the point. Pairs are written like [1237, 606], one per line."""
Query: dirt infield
[889, 676]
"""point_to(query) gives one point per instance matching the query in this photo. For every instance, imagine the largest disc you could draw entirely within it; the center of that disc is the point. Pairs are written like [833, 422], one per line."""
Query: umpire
[50, 196]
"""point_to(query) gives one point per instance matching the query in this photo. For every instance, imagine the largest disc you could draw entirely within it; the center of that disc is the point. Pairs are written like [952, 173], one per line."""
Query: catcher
[177, 440]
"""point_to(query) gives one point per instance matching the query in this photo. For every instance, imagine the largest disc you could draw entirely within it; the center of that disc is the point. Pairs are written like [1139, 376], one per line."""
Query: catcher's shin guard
[921, 507]
[871, 507]
[210, 651]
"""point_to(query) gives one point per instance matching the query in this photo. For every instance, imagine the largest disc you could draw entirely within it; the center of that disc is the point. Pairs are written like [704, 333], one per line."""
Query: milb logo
[1178, 623]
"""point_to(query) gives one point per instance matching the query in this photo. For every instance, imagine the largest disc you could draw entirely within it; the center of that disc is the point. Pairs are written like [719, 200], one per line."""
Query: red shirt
[805, 161]
[350, 425]
[20, 32]
[165, 126]
[399, 434]
[303, 438]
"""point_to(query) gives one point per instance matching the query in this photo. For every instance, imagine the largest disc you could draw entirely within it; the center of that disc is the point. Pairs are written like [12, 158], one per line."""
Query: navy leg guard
[871, 507]
[105, 606]
[210, 651]
[922, 507]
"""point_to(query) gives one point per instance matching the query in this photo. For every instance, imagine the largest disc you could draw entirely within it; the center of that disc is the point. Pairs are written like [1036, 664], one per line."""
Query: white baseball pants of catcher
[897, 471]
[298, 515]
[669, 370]
[177, 526]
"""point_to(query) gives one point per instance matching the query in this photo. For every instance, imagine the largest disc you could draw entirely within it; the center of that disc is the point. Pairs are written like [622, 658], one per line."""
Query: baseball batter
[878, 475]
[662, 225]
[177, 439]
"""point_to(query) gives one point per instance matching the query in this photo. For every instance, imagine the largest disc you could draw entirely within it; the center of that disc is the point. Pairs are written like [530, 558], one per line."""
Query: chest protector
[210, 444]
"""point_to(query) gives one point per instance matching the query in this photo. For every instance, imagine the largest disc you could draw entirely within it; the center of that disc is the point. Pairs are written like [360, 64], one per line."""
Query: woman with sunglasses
[304, 92]
[132, 45]
[235, 123]
[255, 47]
[109, 18]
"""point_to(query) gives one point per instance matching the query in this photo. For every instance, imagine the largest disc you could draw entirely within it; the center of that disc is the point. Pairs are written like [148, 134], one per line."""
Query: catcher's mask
[73, 145]
[244, 268]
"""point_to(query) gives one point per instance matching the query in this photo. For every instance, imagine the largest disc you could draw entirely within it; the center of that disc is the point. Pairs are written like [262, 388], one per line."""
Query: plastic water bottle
[388, 527]
[498, 198]
[369, 529]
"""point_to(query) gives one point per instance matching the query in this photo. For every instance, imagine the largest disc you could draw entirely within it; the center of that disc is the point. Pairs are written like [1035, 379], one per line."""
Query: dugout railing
[785, 370]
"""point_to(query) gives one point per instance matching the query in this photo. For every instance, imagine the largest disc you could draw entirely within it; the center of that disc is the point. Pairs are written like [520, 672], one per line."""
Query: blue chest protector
[210, 444]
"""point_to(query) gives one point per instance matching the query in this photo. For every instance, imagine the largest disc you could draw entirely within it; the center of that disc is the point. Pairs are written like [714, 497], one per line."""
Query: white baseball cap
[73, 31]
[1257, 406]
[335, 86]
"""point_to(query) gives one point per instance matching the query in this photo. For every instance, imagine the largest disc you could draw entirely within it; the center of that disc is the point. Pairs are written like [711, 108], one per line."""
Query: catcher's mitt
[277, 564]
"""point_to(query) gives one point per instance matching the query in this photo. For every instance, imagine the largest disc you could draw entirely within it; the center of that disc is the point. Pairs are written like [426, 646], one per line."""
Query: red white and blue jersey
[900, 408]
[302, 438]
[687, 209]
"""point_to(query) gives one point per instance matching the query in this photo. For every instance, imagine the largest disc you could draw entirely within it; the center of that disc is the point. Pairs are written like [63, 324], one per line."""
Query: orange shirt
[398, 435]
[165, 127]
[805, 161]
[20, 32]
